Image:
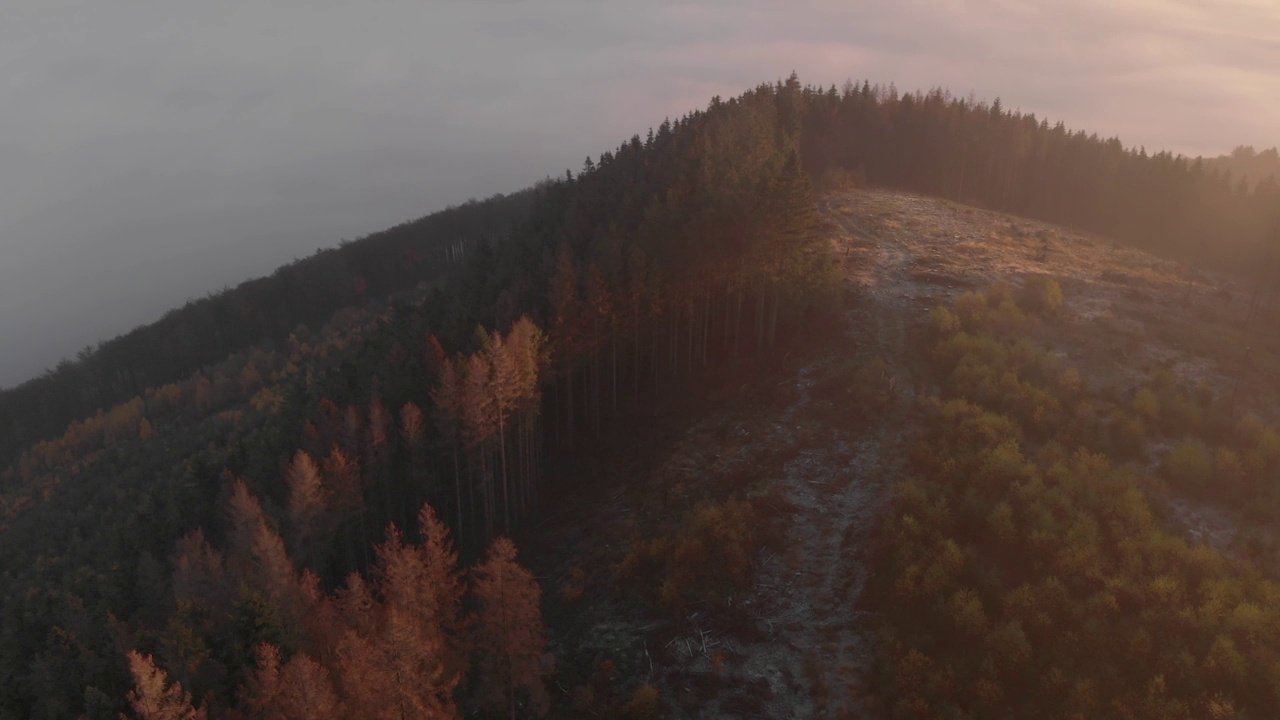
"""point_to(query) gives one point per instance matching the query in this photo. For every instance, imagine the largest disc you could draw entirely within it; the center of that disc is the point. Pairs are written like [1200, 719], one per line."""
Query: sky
[153, 152]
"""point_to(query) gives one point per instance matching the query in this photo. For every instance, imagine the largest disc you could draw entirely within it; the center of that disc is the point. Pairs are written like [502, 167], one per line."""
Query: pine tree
[306, 691]
[199, 572]
[342, 477]
[504, 388]
[308, 505]
[566, 307]
[244, 515]
[479, 424]
[445, 588]
[152, 698]
[447, 399]
[411, 425]
[509, 630]
[392, 654]
[261, 687]
[412, 430]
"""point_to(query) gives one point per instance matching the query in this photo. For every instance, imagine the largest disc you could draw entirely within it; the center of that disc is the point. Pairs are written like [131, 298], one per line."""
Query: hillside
[771, 438]
[821, 441]
[262, 311]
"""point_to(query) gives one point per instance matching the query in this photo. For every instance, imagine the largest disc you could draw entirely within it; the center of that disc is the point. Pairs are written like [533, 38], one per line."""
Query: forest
[298, 497]
[1021, 529]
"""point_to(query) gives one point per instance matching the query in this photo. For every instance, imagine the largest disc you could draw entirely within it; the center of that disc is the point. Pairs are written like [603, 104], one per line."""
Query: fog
[152, 152]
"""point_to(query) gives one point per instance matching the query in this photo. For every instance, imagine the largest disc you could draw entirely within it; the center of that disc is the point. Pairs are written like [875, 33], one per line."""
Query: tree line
[265, 310]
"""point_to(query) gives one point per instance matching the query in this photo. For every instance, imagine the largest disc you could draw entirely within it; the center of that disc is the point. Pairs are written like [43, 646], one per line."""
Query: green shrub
[943, 323]
[707, 557]
[1190, 465]
[1125, 435]
[1147, 406]
[1042, 295]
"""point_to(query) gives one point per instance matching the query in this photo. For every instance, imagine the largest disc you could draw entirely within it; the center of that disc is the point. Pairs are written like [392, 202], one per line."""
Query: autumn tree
[346, 499]
[153, 698]
[308, 505]
[300, 690]
[392, 652]
[479, 425]
[412, 426]
[447, 400]
[509, 630]
[442, 583]
[199, 572]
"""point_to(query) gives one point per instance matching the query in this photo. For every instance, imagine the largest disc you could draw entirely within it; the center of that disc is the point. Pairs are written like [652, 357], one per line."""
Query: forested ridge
[256, 487]
[204, 332]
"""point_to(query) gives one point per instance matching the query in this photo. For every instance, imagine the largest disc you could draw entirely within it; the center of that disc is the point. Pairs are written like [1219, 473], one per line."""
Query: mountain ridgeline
[285, 424]
[1212, 211]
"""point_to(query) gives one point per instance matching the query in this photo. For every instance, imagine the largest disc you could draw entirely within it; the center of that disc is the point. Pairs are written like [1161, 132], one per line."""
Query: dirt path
[814, 649]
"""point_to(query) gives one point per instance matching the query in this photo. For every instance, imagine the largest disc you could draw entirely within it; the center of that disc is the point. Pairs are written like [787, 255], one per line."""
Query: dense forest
[233, 512]
[1022, 569]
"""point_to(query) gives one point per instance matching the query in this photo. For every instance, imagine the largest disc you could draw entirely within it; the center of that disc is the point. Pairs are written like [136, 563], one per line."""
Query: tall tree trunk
[506, 489]
[691, 322]
[759, 320]
[635, 371]
[773, 316]
[706, 323]
[457, 493]
[728, 324]
[737, 329]
[569, 404]
[653, 350]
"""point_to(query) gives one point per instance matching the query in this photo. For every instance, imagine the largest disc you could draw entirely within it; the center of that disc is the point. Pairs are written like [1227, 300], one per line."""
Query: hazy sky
[154, 151]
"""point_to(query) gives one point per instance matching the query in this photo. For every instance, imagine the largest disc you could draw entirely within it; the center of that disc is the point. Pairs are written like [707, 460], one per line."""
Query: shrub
[943, 322]
[574, 585]
[1041, 295]
[1126, 435]
[643, 704]
[709, 556]
[1190, 465]
[1147, 406]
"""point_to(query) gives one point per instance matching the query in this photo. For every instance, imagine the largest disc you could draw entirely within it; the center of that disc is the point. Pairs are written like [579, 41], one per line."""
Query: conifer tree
[261, 687]
[509, 630]
[479, 424]
[342, 477]
[447, 399]
[308, 505]
[306, 691]
[199, 572]
[445, 589]
[153, 698]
